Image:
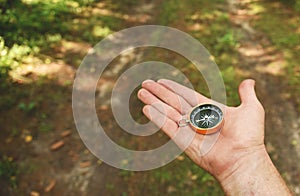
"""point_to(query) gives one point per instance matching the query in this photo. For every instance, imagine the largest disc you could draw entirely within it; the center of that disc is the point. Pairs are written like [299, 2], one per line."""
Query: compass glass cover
[206, 116]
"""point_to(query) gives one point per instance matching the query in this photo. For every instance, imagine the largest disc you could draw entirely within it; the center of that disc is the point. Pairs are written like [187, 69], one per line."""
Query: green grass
[34, 28]
[9, 170]
[180, 177]
[27, 107]
[169, 11]
[214, 31]
[282, 28]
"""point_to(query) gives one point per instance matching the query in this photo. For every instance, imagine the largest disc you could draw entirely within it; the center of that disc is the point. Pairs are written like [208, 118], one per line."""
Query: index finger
[191, 96]
[167, 96]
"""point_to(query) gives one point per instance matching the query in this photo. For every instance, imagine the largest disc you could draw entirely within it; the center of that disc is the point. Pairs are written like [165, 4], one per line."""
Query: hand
[238, 158]
[241, 135]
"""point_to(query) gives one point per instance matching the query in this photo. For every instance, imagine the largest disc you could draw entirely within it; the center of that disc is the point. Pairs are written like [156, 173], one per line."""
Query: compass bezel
[208, 130]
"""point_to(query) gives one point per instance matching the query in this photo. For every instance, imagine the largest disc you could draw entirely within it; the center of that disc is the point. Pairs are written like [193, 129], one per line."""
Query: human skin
[238, 159]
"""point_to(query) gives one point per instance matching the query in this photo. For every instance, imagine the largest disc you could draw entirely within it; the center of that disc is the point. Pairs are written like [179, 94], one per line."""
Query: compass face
[206, 116]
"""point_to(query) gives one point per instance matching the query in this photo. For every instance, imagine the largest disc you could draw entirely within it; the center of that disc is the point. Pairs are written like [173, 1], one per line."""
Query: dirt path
[259, 60]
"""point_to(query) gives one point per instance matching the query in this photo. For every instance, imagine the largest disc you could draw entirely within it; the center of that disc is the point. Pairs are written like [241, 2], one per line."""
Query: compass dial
[206, 118]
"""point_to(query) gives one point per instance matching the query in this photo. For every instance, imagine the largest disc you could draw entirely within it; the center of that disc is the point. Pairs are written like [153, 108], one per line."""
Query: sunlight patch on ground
[73, 4]
[30, 1]
[78, 47]
[140, 17]
[251, 51]
[255, 9]
[102, 11]
[275, 68]
[33, 68]
[298, 30]
[99, 31]
[196, 27]
[207, 15]
[63, 73]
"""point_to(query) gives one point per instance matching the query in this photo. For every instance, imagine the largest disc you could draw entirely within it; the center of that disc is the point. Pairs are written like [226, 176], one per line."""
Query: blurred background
[42, 43]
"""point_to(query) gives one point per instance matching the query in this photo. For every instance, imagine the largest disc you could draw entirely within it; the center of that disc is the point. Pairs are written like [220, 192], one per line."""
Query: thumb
[247, 92]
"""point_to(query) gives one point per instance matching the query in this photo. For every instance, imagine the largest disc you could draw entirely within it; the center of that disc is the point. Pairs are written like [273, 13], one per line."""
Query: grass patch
[8, 171]
[27, 107]
[169, 11]
[208, 22]
[282, 28]
[34, 29]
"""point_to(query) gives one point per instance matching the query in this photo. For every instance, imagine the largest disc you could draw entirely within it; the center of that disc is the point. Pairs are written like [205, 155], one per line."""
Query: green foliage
[187, 179]
[15, 132]
[8, 170]
[8, 4]
[10, 58]
[109, 186]
[27, 107]
[169, 11]
[31, 27]
[226, 41]
[124, 194]
[297, 5]
[231, 84]
[281, 27]
[293, 3]
[281, 37]
[289, 40]
[44, 126]
[215, 32]
[33, 21]
[124, 5]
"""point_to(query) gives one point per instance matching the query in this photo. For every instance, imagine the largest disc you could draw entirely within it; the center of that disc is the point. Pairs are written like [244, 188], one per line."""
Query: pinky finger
[163, 122]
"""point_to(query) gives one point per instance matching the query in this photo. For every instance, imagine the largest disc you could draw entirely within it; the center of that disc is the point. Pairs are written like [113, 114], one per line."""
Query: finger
[149, 99]
[247, 92]
[183, 137]
[191, 96]
[167, 96]
[162, 121]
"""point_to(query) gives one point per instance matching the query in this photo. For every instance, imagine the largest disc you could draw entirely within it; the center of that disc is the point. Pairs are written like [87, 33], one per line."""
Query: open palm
[242, 134]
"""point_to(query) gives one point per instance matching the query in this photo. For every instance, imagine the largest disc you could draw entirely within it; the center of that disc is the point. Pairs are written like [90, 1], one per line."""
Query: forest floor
[42, 153]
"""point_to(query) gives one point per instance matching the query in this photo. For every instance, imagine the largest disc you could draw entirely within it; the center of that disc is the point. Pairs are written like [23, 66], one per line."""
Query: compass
[204, 119]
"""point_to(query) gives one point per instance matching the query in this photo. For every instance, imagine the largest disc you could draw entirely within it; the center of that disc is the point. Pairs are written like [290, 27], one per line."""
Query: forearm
[254, 175]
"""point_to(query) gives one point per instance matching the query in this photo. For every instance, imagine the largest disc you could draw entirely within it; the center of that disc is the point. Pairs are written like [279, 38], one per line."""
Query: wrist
[253, 174]
[249, 159]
